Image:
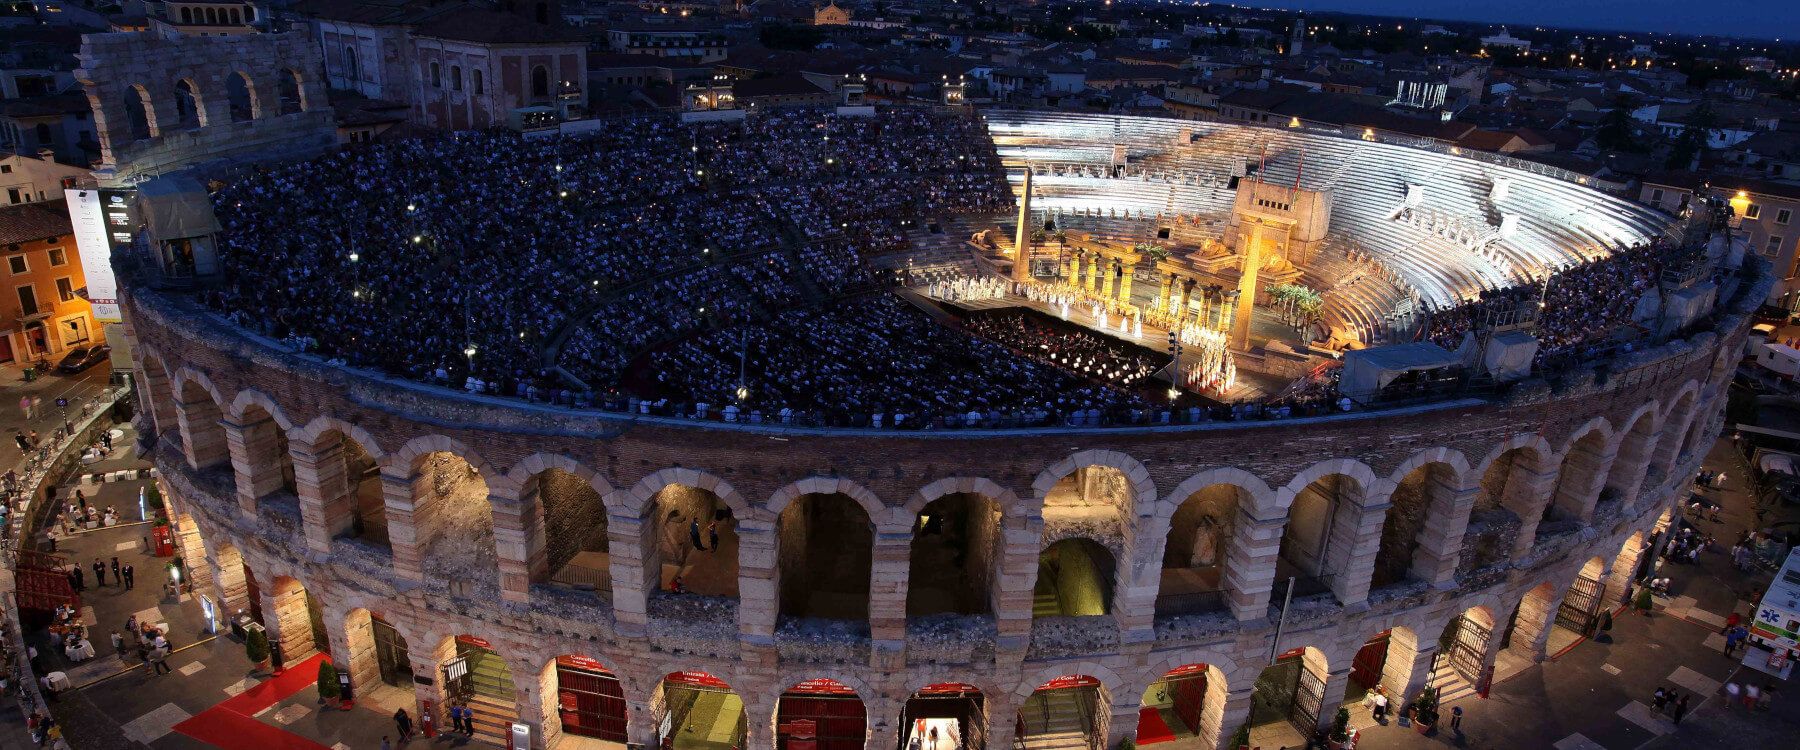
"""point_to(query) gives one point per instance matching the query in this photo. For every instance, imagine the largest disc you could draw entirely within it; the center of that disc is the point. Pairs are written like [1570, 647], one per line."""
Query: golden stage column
[1073, 263]
[1093, 271]
[1184, 290]
[1022, 241]
[1106, 278]
[1162, 292]
[1246, 299]
[1124, 284]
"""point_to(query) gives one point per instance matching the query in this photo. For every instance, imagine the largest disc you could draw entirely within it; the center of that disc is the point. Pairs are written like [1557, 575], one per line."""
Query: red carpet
[232, 723]
[1152, 728]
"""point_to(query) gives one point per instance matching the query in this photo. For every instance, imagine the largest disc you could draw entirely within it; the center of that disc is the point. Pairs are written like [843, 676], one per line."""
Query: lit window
[58, 256]
[1753, 212]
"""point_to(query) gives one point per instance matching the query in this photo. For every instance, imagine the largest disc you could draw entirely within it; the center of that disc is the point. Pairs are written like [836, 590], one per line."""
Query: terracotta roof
[1758, 187]
[33, 221]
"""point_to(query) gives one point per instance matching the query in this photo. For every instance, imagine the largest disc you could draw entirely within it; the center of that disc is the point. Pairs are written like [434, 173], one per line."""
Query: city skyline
[1658, 16]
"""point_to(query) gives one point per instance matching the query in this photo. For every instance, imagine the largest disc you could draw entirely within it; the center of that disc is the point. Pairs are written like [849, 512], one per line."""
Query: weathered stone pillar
[1531, 632]
[202, 438]
[512, 535]
[1234, 714]
[636, 572]
[285, 617]
[1578, 484]
[1618, 583]
[1336, 683]
[1526, 493]
[1446, 522]
[758, 604]
[1002, 718]
[1017, 568]
[254, 446]
[403, 522]
[323, 487]
[888, 571]
[1417, 674]
[158, 401]
[353, 648]
[1249, 575]
[1124, 721]
[1354, 544]
[1632, 461]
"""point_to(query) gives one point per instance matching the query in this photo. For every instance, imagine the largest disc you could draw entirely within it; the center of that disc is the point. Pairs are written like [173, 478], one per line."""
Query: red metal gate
[836, 716]
[590, 700]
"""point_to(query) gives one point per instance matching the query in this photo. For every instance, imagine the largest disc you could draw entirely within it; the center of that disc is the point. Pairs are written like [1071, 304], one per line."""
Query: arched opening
[1398, 560]
[825, 548]
[238, 594]
[540, 82]
[437, 76]
[189, 113]
[212, 16]
[1193, 564]
[1674, 442]
[299, 623]
[820, 714]
[1630, 463]
[476, 83]
[156, 398]
[945, 716]
[236, 17]
[1578, 484]
[1187, 703]
[1382, 667]
[1508, 495]
[1462, 656]
[1284, 705]
[1315, 542]
[379, 662]
[1069, 711]
[956, 544]
[454, 524]
[349, 482]
[187, 15]
[695, 540]
[1578, 614]
[287, 92]
[137, 113]
[575, 542]
[241, 96]
[271, 469]
[352, 66]
[697, 711]
[456, 78]
[201, 434]
[582, 698]
[476, 676]
[1075, 579]
[1631, 565]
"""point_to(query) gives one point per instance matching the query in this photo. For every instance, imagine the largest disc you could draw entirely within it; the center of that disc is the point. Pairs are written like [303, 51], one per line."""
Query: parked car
[82, 357]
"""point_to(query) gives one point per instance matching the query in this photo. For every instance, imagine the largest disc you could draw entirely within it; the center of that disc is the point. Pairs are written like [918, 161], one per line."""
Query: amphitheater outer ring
[210, 385]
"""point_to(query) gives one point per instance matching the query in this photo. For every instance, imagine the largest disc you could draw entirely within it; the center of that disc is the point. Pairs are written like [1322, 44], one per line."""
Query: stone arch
[584, 697]
[1194, 532]
[956, 546]
[634, 503]
[561, 520]
[1631, 456]
[824, 539]
[1323, 532]
[190, 106]
[1183, 701]
[1514, 480]
[878, 513]
[652, 526]
[320, 426]
[198, 410]
[442, 519]
[140, 114]
[375, 658]
[821, 699]
[295, 619]
[290, 92]
[1581, 471]
[677, 693]
[1420, 530]
[155, 392]
[241, 97]
[540, 82]
[256, 430]
[1676, 421]
[1141, 495]
[337, 473]
[1385, 661]
[1271, 698]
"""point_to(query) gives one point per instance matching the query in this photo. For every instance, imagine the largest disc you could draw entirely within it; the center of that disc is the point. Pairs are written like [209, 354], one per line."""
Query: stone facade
[1613, 446]
[164, 104]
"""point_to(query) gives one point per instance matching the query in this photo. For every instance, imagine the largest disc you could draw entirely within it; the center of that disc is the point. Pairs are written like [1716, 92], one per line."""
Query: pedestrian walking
[24, 445]
[1381, 706]
[468, 721]
[99, 572]
[115, 568]
[712, 535]
[25, 407]
[80, 579]
[694, 534]
[1751, 693]
[1732, 692]
[129, 576]
[1732, 636]
[1680, 708]
[1661, 697]
[403, 723]
[118, 642]
[1456, 719]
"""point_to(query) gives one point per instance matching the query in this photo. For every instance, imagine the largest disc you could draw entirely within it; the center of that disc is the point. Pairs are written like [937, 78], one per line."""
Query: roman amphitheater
[609, 555]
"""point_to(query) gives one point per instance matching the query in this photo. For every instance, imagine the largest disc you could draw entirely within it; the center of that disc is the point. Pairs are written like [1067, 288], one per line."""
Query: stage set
[1138, 292]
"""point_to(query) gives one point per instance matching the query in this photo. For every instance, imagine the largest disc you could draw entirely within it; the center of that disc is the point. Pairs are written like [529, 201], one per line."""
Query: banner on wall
[101, 220]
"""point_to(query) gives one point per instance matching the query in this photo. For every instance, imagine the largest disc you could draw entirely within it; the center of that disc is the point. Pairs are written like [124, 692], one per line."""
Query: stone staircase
[1043, 598]
[494, 716]
[1054, 720]
[1451, 686]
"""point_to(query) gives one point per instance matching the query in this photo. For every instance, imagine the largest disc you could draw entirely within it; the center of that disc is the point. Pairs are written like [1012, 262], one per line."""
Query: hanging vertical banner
[87, 214]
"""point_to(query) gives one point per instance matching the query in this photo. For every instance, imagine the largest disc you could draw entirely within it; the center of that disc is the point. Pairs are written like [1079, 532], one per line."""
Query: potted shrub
[328, 683]
[1642, 603]
[1425, 710]
[1340, 730]
[1241, 739]
[256, 647]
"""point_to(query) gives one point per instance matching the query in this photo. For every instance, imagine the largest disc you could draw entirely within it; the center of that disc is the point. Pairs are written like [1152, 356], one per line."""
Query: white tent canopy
[1367, 371]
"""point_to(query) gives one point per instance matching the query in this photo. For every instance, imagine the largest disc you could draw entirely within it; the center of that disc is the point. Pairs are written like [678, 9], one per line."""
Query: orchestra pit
[922, 427]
